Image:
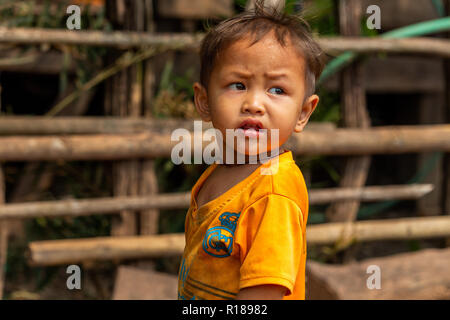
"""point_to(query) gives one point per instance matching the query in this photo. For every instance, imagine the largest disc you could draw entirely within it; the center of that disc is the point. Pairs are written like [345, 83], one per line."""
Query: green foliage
[320, 16]
[177, 84]
[240, 4]
[366, 32]
[328, 109]
[175, 94]
[414, 245]
[290, 6]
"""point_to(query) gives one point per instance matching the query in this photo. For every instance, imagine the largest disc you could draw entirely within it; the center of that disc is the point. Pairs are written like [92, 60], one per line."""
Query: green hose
[439, 6]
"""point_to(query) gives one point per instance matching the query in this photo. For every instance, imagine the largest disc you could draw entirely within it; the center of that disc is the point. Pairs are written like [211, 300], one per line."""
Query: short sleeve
[270, 237]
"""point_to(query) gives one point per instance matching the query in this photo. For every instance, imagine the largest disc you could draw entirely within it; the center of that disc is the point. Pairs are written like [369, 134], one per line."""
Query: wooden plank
[68, 251]
[81, 207]
[195, 9]
[136, 284]
[415, 275]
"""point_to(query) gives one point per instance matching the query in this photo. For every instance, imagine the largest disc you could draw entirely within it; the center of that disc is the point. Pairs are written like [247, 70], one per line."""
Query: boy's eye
[237, 86]
[276, 90]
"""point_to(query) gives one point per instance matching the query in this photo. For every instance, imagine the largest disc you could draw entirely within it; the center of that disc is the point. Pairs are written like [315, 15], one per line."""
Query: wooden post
[3, 228]
[134, 177]
[431, 111]
[3, 236]
[121, 103]
[446, 191]
[149, 183]
[354, 114]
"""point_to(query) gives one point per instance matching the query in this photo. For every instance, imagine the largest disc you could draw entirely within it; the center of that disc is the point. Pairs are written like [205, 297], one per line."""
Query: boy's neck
[273, 154]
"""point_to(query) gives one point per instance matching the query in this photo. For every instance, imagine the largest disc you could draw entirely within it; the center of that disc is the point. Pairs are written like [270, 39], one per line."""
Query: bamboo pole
[32, 125]
[105, 248]
[83, 207]
[422, 46]
[387, 229]
[343, 141]
[119, 39]
[37, 125]
[130, 39]
[57, 252]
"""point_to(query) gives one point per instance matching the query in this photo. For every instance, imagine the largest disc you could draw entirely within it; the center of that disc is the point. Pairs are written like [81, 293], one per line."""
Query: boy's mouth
[251, 127]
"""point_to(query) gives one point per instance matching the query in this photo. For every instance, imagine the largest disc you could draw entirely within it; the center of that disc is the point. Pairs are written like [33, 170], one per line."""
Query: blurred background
[399, 172]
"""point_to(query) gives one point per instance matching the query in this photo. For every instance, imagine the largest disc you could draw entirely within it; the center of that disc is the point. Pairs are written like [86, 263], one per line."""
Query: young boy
[245, 231]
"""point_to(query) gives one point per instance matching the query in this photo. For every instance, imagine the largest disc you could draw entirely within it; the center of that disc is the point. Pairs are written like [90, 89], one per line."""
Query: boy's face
[265, 83]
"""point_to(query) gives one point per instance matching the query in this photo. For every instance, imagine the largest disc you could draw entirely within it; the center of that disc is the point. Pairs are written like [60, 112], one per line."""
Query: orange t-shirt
[253, 234]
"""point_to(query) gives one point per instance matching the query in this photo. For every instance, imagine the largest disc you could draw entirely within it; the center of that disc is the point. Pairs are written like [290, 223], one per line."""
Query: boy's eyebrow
[270, 75]
[240, 74]
[275, 75]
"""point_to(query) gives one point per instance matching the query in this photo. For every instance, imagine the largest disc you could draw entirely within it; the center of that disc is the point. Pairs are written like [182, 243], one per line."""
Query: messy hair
[257, 23]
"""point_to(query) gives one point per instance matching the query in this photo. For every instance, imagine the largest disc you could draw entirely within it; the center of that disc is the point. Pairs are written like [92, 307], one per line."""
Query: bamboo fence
[133, 39]
[111, 138]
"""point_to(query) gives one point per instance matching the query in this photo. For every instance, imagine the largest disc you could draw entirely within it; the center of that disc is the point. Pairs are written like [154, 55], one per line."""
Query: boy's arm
[262, 292]
[271, 245]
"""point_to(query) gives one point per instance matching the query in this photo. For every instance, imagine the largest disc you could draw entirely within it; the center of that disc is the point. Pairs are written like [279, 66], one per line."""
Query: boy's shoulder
[283, 178]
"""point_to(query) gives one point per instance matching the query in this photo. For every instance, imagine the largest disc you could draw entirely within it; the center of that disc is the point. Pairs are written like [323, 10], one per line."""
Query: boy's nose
[253, 107]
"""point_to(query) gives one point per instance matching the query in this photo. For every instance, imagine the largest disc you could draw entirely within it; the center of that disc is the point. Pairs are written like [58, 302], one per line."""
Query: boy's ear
[201, 102]
[307, 109]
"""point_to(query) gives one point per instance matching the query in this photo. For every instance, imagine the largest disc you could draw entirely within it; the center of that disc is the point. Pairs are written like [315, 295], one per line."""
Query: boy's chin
[257, 155]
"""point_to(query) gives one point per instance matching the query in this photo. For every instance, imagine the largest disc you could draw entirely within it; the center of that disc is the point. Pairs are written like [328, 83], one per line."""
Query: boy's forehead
[267, 52]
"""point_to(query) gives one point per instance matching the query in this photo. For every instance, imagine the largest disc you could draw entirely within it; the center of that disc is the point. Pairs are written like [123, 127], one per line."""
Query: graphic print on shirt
[218, 241]
[182, 276]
